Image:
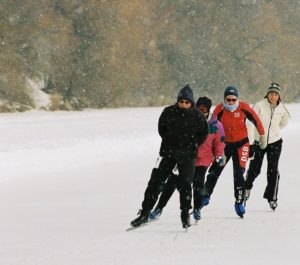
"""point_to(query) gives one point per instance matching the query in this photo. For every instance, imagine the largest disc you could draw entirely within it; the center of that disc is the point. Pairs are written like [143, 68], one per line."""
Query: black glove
[253, 148]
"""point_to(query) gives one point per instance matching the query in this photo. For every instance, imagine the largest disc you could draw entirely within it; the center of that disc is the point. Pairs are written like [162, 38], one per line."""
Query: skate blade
[135, 227]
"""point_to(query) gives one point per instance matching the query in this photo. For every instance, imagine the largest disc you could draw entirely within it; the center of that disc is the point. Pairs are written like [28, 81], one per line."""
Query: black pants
[170, 186]
[198, 185]
[183, 181]
[232, 150]
[273, 152]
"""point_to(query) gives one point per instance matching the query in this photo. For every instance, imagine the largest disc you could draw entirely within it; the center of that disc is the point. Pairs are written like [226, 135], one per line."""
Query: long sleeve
[285, 119]
[252, 132]
[218, 143]
[162, 130]
[254, 118]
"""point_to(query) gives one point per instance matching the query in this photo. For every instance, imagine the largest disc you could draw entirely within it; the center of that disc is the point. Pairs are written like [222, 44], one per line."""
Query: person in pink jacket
[212, 149]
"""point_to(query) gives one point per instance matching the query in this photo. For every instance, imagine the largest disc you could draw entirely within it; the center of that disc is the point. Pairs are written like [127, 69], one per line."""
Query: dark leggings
[239, 153]
[273, 152]
[170, 186]
[163, 172]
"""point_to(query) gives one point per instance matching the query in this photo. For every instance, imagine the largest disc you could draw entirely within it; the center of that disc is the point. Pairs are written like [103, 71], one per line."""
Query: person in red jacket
[233, 113]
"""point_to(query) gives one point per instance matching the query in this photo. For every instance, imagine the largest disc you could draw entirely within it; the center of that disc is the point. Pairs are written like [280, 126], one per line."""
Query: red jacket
[214, 144]
[234, 122]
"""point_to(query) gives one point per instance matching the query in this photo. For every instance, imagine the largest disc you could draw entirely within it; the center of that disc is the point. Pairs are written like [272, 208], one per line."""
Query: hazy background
[75, 54]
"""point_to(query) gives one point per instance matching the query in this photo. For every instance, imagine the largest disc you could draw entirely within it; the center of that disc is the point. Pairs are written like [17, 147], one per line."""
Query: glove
[263, 142]
[221, 160]
[253, 148]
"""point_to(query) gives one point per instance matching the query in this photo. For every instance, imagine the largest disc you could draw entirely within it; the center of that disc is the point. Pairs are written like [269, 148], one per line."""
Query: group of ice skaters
[195, 140]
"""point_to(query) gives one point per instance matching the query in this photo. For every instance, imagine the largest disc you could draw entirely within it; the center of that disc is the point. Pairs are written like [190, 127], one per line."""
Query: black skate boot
[273, 205]
[185, 219]
[141, 220]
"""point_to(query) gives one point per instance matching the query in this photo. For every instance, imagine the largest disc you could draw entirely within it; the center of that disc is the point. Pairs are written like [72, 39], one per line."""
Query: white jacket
[273, 120]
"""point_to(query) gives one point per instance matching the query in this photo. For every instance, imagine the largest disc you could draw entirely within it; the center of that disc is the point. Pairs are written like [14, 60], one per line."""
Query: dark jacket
[182, 131]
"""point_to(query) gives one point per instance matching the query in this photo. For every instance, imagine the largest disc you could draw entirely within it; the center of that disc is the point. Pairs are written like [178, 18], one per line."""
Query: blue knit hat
[231, 90]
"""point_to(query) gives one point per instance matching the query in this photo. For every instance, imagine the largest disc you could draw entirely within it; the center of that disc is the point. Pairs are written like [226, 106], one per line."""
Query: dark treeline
[114, 53]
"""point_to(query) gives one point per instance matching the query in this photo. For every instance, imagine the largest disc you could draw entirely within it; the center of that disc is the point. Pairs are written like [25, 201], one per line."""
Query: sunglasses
[231, 99]
[182, 101]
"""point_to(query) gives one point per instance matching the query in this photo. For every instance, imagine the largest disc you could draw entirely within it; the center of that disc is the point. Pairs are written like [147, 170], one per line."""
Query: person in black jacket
[182, 128]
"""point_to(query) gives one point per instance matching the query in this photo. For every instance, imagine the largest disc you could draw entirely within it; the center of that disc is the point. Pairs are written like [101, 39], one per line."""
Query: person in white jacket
[274, 116]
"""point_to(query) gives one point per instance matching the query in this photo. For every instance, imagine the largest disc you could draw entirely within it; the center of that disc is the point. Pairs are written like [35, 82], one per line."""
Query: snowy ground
[71, 182]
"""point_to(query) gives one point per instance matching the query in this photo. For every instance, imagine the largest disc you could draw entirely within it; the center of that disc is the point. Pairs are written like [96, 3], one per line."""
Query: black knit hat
[231, 90]
[274, 87]
[204, 101]
[186, 93]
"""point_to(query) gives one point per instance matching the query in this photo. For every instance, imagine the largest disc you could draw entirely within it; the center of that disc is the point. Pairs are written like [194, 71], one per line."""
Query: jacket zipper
[272, 113]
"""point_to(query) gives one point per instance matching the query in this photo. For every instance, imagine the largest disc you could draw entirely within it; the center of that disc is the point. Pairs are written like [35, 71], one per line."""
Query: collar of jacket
[231, 107]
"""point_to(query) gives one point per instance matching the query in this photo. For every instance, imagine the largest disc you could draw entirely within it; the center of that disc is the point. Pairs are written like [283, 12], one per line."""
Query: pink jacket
[214, 144]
